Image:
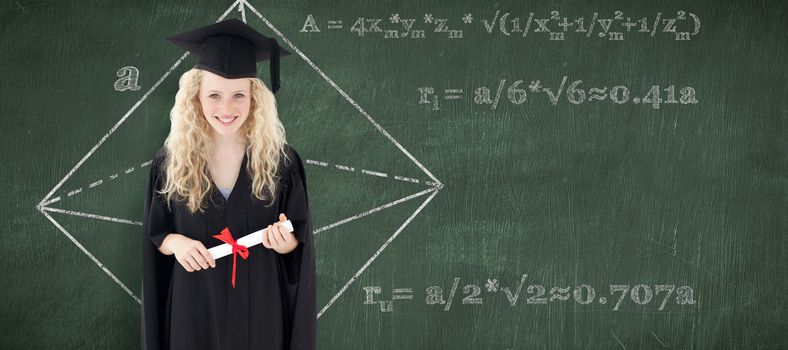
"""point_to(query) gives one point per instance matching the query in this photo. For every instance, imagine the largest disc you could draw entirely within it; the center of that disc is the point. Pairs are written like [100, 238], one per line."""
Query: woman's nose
[227, 105]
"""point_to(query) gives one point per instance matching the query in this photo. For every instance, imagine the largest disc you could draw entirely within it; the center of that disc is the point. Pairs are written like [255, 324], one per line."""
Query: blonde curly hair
[189, 142]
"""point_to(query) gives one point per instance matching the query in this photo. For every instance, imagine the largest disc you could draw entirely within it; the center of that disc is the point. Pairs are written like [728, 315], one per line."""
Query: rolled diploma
[249, 240]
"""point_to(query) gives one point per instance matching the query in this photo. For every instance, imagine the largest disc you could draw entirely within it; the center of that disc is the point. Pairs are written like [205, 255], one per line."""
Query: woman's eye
[239, 95]
[214, 96]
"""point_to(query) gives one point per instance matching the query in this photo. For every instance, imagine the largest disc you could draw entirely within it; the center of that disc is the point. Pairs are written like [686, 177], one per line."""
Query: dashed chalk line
[369, 172]
[308, 161]
[97, 145]
[240, 5]
[97, 183]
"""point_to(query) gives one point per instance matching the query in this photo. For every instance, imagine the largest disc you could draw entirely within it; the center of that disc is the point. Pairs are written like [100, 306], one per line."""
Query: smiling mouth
[226, 121]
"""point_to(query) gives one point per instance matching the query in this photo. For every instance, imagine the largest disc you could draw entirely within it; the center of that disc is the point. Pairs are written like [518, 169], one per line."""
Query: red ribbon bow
[226, 237]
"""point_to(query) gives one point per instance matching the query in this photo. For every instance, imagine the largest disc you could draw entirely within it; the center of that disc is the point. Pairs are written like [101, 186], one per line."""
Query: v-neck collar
[241, 172]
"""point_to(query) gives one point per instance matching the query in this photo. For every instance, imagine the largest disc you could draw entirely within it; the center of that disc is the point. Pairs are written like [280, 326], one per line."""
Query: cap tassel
[274, 66]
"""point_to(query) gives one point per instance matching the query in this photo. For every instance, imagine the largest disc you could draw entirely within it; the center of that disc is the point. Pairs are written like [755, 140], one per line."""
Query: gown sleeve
[298, 267]
[156, 267]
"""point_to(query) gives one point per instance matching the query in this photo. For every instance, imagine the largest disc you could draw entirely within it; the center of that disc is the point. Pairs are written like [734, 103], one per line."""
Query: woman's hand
[274, 237]
[190, 253]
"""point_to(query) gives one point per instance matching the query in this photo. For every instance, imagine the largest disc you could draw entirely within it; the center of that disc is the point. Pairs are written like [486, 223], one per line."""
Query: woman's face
[225, 102]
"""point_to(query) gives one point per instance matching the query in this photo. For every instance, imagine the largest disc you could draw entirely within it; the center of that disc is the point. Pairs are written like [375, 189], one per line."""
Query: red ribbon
[226, 237]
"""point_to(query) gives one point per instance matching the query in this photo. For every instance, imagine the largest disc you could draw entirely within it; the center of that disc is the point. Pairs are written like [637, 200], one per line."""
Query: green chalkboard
[494, 175]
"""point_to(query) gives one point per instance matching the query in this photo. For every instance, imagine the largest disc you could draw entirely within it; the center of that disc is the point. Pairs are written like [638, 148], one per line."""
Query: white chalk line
[315, 232]
[98, 263]
[126, 116]
[93, 150]
[438, 185]
[342, 92]
[112, 130]
[308, 161]
[407, 179]
[618, 340]
[374, 173]
[92, 216]
[365, 171]
[99, 182]
[345, 167]
[324, 228]
[374, 256]
[657, 338]
[435, 182]
[51, 201]
[374, 210]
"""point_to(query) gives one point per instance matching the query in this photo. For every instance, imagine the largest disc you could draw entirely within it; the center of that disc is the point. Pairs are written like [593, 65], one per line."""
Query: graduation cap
[231, 48]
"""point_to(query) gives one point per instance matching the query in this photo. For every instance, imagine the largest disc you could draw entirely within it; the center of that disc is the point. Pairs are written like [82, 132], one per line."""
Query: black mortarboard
[231, 48]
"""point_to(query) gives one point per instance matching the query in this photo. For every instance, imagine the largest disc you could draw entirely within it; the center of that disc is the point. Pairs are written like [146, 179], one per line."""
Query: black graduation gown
[273, 304]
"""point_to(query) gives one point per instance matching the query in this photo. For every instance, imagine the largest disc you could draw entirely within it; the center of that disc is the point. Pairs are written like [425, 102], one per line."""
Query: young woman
[225, 166]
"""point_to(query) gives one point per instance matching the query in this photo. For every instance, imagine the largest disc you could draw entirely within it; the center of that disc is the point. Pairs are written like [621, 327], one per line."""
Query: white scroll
[249, 240]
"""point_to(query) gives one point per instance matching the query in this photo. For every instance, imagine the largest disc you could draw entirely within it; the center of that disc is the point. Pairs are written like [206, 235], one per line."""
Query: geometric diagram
[432, 188]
